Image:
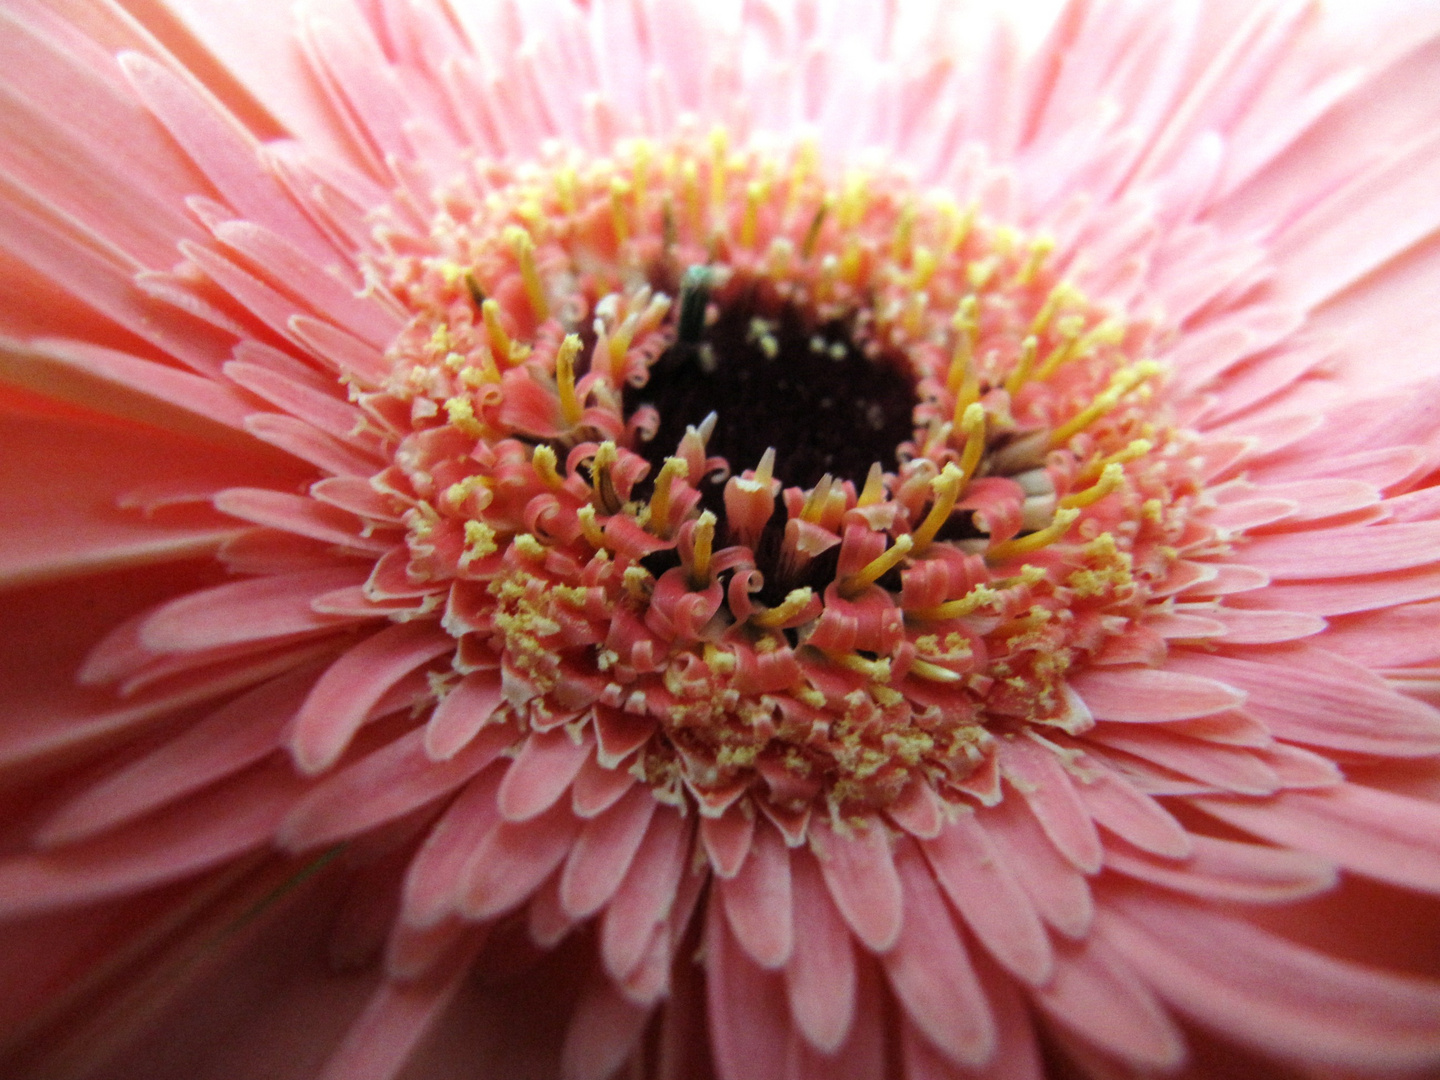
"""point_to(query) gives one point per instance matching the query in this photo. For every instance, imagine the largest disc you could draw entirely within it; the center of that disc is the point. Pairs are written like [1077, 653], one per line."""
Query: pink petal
[597, 788]
[820, 977]
[1228, 870]
[541, 772]
[1276, 996]
[511, 861]
[603, 852]
[728, 839]
[462, 714]
[431, 889]
[1376, 833]
[1057, 891]
[241, 611]
[1145, 695]
[860, 874]
[603, 1031]
[1130, 814]
[354, 684]
[1347, 551]
[647, 896]
[1040, 778]
[382, 786]
[930, 971]
[381, 1041]
[226, 741]
[757, 900]
[749, 1028]
[995, 908]
[206, 830]
[1098, 996]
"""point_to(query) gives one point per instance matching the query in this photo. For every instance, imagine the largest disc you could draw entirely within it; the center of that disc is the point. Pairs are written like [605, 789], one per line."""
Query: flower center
[787, 489]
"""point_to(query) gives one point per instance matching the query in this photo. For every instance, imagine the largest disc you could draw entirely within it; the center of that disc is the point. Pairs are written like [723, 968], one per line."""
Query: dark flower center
[823, 398]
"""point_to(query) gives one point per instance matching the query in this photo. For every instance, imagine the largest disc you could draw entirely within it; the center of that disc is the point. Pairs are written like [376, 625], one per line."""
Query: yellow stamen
[1024, 545]
[607, 499]
[946, 487]
[501, 344]
[673, 469]
[565, 185]
[1069, 329]
[854, 584]
[690, 194]
[814, 507]
[750, 222]
[544, 462]
[972, 426]
[874, 490]
[1021, 372]
[619, 209]
[962, 378]
[1040, 249]
[796, 601]
[525, 254]
[1120, 385]
[1110, 480]
[590, 528]
[1061, 294]
[812, 234]
[1137, 449]
[904, 236]
[719, 166]
[875, 670]
[620, 341]
[704, 540]
[978, 597]
[640, 173]
[925, 264]
[854, 198]
[570, 408]
[934, 672]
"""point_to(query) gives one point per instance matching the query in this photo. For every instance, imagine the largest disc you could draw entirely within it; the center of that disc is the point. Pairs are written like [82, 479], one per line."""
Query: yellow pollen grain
[460, 411]
[673, 469]
[545, 464]
[946, 488]
[590, 528]
[570, 408]
[524, 248]
[479, 542]
[796, 601]
[854, 584]
[874, 490]
[1110, 480]
[979, 272]
[1024, 545]
[704, 540]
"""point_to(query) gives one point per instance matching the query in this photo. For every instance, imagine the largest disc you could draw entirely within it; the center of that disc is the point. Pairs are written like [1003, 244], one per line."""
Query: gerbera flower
[794, 540]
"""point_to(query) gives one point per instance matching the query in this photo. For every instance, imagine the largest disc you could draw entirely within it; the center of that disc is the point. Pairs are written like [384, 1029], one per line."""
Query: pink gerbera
[794, 540]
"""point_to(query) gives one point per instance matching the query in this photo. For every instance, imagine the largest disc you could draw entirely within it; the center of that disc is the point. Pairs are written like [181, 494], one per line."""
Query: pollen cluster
[960, 484]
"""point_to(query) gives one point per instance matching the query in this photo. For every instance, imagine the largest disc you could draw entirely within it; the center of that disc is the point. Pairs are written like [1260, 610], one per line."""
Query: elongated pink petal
[1227, 870]
[1058, 892]
[353, 685]
[603, 852]
[382, 786]
[995, 908]
[511, 861]
[758, 900]
[820, 978]
[862, 880]
[647, 896]
[603, 1031]
[749, 1031]
[1274, 995]
[540, 773]
[1145, 695]
[931, 973]
[431, 889]
[1377, 833]
[461, 715]
[1040, 778]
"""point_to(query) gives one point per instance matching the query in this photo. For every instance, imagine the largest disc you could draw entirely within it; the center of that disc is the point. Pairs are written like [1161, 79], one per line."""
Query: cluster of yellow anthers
[834, 640]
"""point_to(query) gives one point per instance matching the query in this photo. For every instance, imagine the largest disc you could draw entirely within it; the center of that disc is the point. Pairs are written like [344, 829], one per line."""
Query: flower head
[809, 542]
